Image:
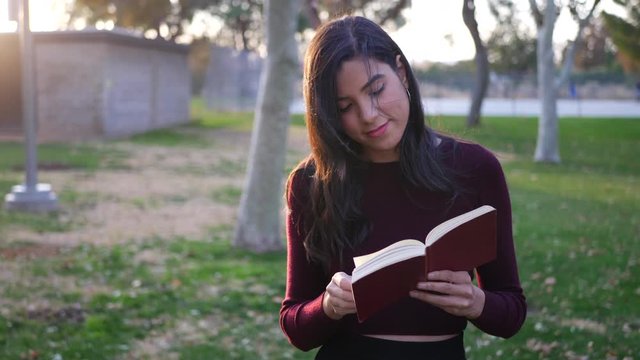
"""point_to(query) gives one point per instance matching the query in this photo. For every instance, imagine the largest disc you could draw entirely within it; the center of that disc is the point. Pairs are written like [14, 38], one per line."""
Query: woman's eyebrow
[371, 81]
[365, 86]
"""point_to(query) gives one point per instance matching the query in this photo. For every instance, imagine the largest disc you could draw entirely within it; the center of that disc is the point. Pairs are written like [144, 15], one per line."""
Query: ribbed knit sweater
[396, 213]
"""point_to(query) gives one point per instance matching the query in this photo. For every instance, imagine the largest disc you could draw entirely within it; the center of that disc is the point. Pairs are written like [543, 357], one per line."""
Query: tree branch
[394, 12]
[567, 67]
[468, 8]
[482, 63]
[312, 13]
[537, 14]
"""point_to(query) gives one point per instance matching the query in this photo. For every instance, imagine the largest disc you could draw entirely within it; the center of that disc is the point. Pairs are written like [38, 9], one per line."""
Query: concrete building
[232, 80]
[94, 84]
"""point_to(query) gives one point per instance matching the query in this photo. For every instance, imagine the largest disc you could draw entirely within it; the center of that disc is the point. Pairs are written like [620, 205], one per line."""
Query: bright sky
[46, 15]
[434, 30]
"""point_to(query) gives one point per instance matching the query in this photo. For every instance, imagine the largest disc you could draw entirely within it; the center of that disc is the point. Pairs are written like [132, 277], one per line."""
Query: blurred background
[163, 167]
[226, 46]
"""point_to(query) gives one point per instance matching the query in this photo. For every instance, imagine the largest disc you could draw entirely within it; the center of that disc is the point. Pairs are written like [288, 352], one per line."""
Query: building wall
[70, 81]
[173, 89]
[232, 80]
[10, 88]
[94, 84]
[128, 93]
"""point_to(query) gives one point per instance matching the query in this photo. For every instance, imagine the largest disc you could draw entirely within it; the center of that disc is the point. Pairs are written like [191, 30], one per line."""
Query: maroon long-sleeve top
[396, 214]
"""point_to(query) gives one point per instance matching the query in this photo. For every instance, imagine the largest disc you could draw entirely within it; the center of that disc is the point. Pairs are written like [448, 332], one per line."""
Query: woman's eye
[378, 90]
[344, 109]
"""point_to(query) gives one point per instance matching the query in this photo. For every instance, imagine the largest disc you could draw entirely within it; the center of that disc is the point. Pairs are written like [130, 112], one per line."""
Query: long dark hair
[334, 219]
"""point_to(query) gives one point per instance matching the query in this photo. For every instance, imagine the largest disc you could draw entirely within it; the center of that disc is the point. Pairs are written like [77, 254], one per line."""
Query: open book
[460, 243]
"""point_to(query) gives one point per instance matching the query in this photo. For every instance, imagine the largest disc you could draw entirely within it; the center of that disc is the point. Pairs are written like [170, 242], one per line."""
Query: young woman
[376, 175]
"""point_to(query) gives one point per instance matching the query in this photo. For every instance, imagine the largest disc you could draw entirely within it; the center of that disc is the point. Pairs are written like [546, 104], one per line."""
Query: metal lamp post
[30, 196]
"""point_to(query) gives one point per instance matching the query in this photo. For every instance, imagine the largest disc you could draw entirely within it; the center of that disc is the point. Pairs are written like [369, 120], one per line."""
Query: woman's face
[374, 106]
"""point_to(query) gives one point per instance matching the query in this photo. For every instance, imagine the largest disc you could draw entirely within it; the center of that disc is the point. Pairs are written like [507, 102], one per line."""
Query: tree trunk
[548, 84]
[244, 28]
[258, 225]
[482, 64]
[547, 143]
[311, 12]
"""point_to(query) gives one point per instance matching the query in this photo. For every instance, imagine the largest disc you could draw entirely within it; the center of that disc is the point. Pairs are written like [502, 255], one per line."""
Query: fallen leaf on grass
[31, 355]
[73, 314]
[540, 346]
[570, 355]
[259, 289]
[175, 283]
[585, 324]
[31, 252]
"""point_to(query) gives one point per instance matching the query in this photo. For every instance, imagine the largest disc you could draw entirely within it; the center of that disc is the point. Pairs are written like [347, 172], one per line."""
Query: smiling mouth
[378, 131]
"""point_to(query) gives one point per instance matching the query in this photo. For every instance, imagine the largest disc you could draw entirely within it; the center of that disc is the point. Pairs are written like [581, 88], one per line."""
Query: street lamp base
[41, 199]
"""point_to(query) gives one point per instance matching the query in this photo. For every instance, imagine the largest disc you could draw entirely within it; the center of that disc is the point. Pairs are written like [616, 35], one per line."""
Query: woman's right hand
[338, 297]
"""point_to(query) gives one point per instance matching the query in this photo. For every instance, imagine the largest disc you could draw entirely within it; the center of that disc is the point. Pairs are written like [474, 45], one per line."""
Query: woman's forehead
[357, 72]
[363, 64]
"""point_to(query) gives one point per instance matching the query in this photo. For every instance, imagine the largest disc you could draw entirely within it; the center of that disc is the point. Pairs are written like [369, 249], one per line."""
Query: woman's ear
[402, 72]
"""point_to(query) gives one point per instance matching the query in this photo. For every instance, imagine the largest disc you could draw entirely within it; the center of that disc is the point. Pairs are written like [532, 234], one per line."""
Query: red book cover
[384, 287]
[466, 246]
[386, 276]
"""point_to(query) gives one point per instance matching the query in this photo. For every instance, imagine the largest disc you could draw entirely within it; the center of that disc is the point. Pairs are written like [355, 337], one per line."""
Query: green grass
[244, 304]
[229, 195]
[242, 121]
[216, 120]
[576, 227]
[41, 223]
[55, 155]
[168, 137]
[52, 157]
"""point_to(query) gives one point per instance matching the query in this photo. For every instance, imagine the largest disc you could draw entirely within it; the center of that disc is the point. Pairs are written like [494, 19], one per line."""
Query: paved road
[526, 107]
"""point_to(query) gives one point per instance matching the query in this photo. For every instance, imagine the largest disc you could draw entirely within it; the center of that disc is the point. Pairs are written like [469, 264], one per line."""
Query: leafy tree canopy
[241, 19]
[625, 34]
[512, 50]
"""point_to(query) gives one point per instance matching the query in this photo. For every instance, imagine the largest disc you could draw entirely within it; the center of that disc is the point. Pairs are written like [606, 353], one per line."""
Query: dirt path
[161, 192]
[158, 193]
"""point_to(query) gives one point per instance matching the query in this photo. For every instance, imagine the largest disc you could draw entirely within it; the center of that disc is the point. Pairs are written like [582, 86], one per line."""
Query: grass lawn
[576, 225]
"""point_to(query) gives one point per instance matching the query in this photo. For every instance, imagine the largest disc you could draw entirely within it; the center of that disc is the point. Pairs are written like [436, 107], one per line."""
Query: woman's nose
[369, 111]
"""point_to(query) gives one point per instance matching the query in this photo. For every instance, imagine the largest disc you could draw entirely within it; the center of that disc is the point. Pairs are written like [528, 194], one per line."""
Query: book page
[359, 260]
[392, 254]
[438, 231]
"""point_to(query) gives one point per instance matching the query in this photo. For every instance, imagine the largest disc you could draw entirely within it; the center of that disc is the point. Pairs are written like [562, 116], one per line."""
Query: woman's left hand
[453, 292]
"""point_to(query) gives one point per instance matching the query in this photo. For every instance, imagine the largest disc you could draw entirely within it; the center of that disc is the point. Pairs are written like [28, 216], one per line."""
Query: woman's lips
[378, 131]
